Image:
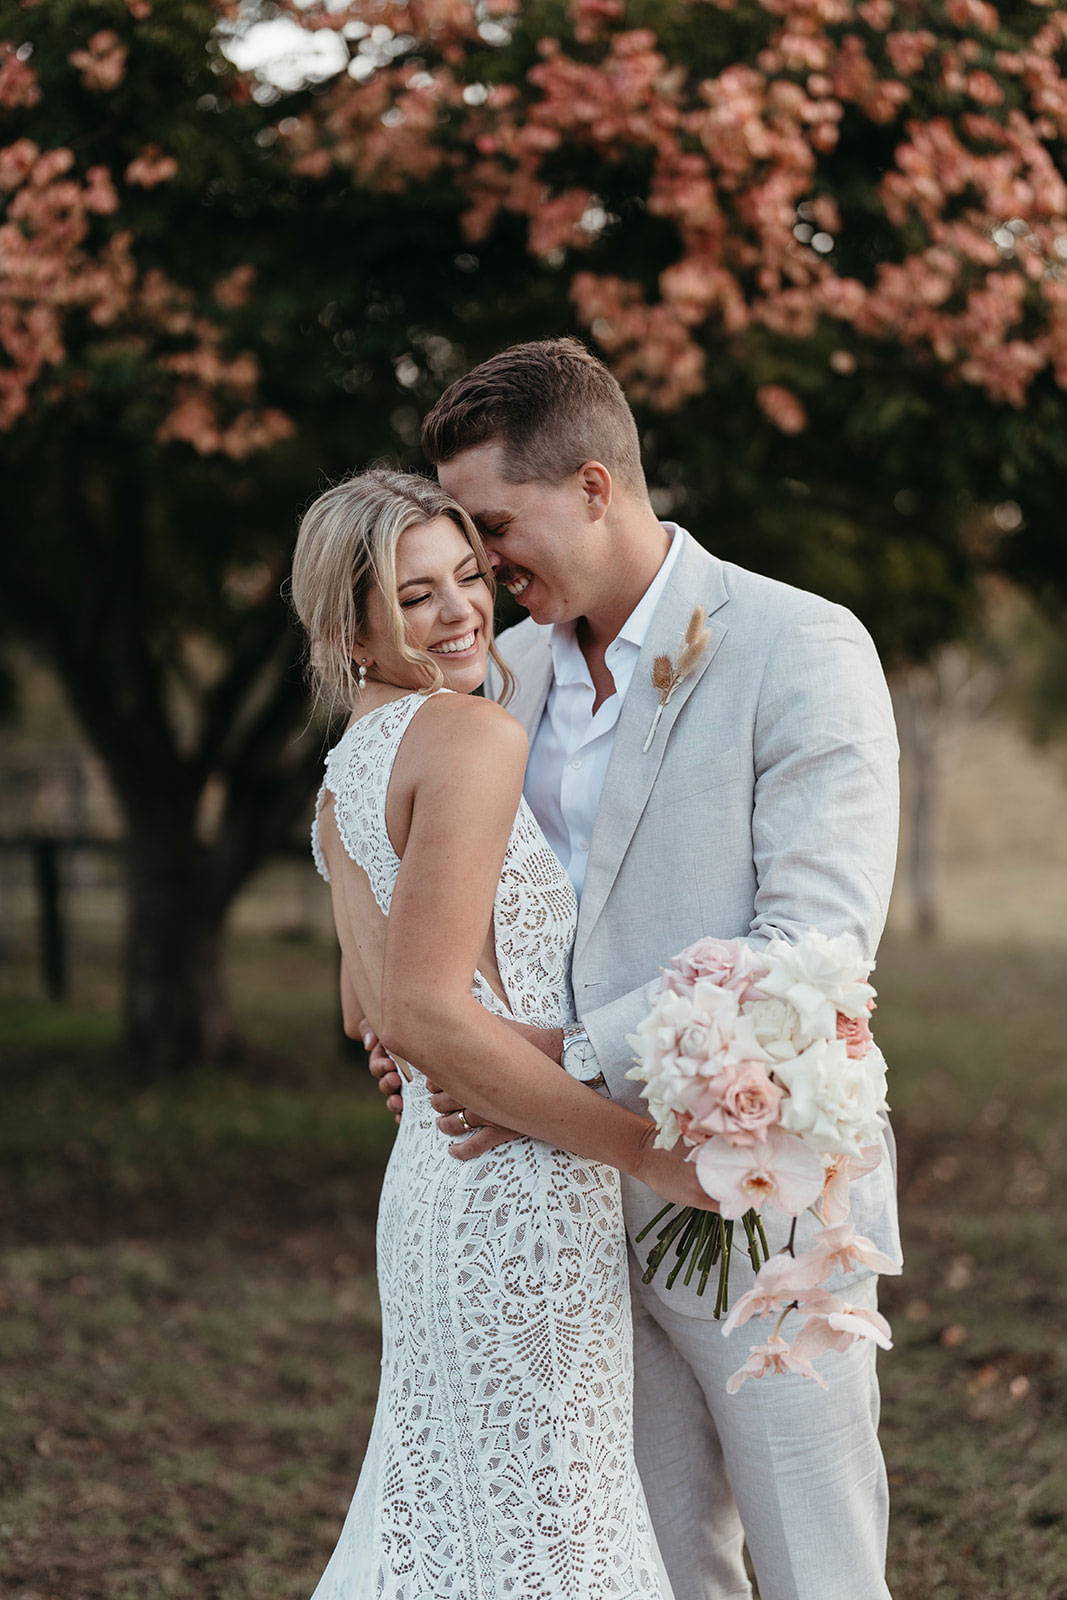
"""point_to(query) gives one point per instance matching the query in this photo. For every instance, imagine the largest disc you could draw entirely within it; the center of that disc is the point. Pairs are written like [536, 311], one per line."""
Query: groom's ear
[594, 481]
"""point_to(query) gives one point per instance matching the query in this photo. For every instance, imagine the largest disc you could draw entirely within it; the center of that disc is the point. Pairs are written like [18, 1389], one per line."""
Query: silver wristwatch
[579, 1057]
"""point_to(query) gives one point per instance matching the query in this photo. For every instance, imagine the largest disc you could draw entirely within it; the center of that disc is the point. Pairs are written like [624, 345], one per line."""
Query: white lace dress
[500, 1464]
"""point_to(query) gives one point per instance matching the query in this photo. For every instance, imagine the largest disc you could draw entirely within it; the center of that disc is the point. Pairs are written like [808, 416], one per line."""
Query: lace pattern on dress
[534, 901]
[500, 1464]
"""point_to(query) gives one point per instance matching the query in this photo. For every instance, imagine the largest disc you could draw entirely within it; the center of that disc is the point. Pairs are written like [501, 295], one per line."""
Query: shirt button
[583, 844]
[576, 765]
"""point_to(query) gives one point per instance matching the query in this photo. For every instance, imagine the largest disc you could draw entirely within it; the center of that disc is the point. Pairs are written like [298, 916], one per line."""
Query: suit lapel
[533, 679]
[529, 701]
[697, 579]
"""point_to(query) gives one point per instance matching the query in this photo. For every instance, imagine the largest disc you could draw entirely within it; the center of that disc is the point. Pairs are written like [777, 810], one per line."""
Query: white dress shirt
[572, 747]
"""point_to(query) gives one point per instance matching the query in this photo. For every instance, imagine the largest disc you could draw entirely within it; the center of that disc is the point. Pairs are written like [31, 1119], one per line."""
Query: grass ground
[188, 1325]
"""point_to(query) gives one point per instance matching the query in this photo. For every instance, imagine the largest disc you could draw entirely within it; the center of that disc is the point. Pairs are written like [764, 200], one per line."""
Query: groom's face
[545, 541]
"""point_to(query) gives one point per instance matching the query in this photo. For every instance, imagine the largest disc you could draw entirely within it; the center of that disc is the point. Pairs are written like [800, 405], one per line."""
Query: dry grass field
[190, 1324]
[188, 1319]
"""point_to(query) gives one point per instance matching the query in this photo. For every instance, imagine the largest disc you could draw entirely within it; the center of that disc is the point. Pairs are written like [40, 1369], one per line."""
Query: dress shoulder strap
[358, 769]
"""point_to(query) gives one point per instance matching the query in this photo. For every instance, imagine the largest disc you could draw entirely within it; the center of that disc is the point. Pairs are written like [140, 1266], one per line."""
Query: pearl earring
[362, 676]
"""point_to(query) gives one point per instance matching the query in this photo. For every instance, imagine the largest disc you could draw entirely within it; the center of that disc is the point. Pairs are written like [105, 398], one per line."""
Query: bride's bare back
[360, 922]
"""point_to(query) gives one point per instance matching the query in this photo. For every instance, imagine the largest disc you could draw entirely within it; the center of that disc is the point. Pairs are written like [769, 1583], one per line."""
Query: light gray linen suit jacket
[766, 803]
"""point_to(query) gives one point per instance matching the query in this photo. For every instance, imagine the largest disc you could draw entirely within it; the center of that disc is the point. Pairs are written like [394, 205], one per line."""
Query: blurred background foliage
[246, 245]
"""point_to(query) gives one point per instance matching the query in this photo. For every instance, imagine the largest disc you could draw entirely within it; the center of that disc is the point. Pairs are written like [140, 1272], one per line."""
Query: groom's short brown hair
[551, 404]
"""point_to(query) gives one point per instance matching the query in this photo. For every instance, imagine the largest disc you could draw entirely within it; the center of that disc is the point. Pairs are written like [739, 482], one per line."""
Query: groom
[760, 800]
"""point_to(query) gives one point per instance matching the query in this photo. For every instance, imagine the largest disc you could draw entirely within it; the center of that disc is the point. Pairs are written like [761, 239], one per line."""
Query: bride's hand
[670, 1175]
[452, 1120]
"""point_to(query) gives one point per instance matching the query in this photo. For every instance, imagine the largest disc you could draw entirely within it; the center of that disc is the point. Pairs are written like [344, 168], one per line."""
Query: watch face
[580, 1060]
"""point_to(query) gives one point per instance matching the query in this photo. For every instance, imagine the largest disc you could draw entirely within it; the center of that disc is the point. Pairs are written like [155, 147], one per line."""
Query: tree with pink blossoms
[193, 334]
[822, 243]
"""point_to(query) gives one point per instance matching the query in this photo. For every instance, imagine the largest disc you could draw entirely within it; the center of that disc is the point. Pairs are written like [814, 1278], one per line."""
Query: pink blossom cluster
[734, 159]
[151, 167]
[63, 258]
[102, 61]
[740, 168]
[763, 1062]
[18, 81]
[386, 133]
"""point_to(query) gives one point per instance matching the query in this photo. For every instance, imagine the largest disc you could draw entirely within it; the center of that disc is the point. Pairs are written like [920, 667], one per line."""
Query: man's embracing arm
[825, 807]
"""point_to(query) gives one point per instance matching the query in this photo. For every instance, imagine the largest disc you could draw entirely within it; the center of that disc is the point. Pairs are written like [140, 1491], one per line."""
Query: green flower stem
[704, 1229]
[659, 1250]
[650, 1225]
[711, 1252]
[792, 1306]
[723, 1294]
[753, 1243]
[686, 1235]
[685, 1243]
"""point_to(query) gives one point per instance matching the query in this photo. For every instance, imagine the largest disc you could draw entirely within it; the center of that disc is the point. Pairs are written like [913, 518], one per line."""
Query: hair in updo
[345, 548]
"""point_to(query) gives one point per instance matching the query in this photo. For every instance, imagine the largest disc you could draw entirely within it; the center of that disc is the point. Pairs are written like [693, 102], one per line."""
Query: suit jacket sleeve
[825, 810]
[825, 806]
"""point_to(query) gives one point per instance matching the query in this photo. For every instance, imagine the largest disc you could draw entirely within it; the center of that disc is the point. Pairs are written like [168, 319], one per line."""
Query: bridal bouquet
[764, 1063]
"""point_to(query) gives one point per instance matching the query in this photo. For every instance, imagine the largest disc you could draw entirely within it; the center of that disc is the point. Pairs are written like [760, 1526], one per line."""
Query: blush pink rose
[856, 1032]
[741, 1102]
[727, 962]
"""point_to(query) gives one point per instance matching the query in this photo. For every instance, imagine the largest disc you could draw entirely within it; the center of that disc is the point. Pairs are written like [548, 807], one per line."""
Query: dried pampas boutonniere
[667, 675]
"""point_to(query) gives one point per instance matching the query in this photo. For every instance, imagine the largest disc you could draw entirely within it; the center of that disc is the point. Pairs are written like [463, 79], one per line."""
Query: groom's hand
[468, 1145]
[382, 1067]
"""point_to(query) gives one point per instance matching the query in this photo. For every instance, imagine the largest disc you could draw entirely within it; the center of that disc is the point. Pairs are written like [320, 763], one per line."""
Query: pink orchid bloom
[780, 1171]
[774, 1356]
[841, 1171]
[781, 1280]
[839, 1329]
[842, 1249]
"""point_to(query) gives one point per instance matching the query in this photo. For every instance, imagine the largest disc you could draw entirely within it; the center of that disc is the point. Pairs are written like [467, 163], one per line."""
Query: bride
[500, 1465]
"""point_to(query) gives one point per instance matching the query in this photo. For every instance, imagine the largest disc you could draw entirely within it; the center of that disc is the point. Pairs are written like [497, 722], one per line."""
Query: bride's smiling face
[446, 603]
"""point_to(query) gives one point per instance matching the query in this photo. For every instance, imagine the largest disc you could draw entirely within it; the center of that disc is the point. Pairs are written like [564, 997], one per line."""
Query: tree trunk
[176, 1015]
[923, 815]
[94, 594]
[920, 726]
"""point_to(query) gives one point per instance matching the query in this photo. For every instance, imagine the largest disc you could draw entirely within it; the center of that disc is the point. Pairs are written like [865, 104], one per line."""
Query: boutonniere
[667, 674]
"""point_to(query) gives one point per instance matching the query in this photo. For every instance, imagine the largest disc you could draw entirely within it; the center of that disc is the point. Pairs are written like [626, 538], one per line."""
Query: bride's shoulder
[454, 730]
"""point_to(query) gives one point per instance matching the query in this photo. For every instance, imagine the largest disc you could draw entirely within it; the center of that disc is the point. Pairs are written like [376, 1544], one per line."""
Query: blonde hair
[345, 548]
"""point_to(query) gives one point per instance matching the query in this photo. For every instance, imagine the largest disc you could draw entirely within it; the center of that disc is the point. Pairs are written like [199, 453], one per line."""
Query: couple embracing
[508, 873]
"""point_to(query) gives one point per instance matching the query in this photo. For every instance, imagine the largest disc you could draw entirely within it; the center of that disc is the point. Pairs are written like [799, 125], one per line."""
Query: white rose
[833, 1101]
[776, 1026]
[819, 976]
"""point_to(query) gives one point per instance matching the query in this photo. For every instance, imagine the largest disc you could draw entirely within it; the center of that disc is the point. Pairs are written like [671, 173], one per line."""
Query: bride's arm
[465, 764]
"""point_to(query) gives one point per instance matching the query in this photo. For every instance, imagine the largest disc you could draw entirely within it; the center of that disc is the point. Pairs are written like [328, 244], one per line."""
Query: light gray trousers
[794, 1471]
